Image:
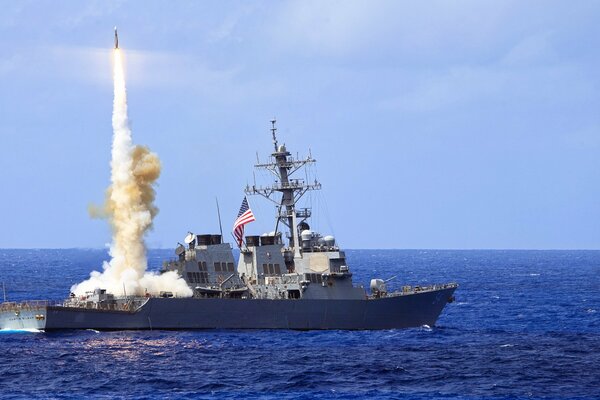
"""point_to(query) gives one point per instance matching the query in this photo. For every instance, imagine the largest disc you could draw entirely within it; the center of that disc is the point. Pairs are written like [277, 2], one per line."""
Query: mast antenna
[219, 214]
[4, 291]
[273, 131]
[282, 165]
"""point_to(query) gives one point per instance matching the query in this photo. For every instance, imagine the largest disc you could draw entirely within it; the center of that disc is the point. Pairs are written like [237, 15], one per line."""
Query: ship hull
[411, 310]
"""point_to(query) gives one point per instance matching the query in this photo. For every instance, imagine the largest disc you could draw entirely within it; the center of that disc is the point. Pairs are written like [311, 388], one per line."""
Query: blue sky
[436, 124]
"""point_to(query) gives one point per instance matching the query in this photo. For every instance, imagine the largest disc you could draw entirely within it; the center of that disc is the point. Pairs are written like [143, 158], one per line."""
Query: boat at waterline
[290, 278]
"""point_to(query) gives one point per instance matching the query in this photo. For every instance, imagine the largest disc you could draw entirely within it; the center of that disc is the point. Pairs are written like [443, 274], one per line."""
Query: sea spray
[130, 209]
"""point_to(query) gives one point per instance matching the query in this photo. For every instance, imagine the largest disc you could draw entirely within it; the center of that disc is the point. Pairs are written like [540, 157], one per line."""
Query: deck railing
[27, 305]
[406, 290]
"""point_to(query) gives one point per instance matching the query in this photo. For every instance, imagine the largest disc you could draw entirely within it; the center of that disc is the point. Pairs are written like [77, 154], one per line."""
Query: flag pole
[235, 240]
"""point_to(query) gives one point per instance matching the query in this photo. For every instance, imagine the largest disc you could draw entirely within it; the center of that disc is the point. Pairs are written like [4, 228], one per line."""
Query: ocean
[525, 324]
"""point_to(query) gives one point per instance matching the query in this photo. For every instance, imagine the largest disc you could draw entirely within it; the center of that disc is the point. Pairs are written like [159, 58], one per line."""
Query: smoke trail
[130, 209]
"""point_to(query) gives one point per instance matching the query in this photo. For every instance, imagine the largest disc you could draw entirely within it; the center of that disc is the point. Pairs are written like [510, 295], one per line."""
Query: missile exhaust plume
[130, 210]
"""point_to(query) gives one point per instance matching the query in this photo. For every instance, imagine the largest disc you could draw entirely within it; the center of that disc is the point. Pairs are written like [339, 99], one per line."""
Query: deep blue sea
[525, 324]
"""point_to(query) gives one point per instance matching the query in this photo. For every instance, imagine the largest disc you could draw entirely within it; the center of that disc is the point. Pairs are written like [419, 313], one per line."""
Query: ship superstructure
[309, 265]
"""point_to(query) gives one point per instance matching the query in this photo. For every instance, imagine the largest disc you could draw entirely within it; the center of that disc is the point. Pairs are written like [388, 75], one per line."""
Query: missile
[116, 39]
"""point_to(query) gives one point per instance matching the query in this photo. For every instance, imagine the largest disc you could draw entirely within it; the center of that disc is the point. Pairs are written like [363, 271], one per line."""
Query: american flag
[244, 216]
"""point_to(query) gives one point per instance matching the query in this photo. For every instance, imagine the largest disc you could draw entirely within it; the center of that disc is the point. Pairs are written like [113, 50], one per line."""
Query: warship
[290, 278]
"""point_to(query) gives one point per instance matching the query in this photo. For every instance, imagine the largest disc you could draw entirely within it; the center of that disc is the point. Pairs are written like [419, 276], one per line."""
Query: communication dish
[179, 250]
[189, 238]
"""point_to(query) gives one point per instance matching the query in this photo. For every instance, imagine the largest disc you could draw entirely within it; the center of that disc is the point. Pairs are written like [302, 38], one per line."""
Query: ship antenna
[273, 130]
[4, 291]
[219, 214]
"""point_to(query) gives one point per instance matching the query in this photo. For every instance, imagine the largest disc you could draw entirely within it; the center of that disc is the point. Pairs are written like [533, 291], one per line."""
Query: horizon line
[345, 249]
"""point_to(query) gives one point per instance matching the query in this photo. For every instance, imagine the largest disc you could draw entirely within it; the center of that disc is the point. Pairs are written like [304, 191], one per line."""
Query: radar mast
[282, 165]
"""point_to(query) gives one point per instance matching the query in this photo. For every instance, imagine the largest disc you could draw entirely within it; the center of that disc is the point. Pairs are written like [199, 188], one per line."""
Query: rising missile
[116, 39]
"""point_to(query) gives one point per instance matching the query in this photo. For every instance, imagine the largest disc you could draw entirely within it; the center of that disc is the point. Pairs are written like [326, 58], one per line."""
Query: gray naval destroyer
[298, 282]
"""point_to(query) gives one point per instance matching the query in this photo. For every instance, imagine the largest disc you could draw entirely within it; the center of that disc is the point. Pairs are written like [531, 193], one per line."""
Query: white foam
[23, 330]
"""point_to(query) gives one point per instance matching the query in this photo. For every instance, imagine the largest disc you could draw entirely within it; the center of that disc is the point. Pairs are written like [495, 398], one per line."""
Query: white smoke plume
[130, 209]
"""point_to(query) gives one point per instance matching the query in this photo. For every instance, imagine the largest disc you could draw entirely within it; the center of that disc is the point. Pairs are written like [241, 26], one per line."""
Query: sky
[436, 125]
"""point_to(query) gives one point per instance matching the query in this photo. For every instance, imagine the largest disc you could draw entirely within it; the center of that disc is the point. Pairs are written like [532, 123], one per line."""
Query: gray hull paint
[189, 313]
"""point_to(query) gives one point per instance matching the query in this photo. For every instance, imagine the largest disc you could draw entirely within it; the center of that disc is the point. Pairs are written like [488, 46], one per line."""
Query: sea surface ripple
[525, 324]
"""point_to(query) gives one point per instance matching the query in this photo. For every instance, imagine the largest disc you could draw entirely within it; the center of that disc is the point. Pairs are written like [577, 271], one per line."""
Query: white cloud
[172, 71]
[226, 28]
[439, 90]
[334, 27]
[535, 86]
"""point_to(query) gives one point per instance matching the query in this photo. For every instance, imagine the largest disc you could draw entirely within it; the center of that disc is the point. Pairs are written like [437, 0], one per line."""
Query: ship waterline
[408, 310]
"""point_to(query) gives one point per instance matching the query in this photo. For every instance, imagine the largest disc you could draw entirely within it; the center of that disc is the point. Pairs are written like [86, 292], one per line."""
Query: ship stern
[25, 316]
